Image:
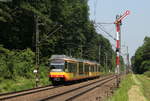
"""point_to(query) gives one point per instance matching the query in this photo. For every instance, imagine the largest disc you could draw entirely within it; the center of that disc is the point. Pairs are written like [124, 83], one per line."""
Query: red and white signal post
[118, 39]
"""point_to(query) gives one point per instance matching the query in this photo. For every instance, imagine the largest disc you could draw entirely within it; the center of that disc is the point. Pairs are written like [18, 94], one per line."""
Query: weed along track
[58, 93]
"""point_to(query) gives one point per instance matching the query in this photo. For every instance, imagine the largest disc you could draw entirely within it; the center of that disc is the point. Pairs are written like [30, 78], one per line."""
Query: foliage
[147, 73]
[77, 37]
[16, 63]
[20, 83]
[16, 70]
[141, 60]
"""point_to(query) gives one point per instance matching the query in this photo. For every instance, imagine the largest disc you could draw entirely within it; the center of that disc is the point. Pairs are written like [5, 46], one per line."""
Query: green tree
[141, 60]
[17, 32]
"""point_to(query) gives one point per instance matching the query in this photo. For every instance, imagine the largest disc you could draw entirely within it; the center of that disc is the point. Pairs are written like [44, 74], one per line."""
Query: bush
[147, 73]
[16, 63]
[16, 70]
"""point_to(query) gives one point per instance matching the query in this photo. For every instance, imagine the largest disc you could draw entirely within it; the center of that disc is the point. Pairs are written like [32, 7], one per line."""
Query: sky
[135, 26]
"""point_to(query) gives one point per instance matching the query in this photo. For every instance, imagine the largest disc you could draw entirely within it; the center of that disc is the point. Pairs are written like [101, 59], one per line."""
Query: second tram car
[64, 68]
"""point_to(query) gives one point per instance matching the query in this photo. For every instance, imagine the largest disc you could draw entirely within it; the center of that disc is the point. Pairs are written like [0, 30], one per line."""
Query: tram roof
[71, 58]
[62, 57]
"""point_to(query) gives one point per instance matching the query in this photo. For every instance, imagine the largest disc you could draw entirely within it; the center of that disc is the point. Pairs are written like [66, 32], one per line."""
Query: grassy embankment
[122, 93]
[20, 83]
[145, 85]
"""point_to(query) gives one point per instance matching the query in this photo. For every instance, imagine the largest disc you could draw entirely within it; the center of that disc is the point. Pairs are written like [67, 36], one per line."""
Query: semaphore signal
[118, 38]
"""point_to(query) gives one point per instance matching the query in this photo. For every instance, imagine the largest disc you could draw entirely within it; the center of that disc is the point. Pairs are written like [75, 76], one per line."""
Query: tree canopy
[77, 36]
[141, 60]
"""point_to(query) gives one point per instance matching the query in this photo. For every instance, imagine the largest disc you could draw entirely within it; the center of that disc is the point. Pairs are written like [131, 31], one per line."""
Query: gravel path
[134, 93]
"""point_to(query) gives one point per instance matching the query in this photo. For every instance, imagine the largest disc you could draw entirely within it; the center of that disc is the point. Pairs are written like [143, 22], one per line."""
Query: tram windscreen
[57, 65]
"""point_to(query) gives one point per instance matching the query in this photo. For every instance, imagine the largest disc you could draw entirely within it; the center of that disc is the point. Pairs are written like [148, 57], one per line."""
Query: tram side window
[75, 67]
[72, 67]
[92, 68]
[98, 68]
[86, 68]
[80, 68]
[66, 67]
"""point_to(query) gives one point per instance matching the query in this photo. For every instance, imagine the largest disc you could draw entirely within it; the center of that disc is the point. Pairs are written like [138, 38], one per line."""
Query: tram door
[87, 69]
[81, 69]
[72, 69]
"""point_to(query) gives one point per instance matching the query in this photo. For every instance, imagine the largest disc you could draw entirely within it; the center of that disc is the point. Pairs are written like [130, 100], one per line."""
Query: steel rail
[6, 96]
[88, 90]
[2, 94]
[10, 95]
[74, 89]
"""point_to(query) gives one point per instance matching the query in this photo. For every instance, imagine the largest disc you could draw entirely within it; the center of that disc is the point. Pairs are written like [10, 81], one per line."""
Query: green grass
[20, 84]
[147, 74]
[145, 85]
[122, 93]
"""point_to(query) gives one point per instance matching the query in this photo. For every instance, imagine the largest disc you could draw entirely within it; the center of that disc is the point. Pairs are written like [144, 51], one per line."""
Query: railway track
[72, 94]
[10, 95]
[58, 93]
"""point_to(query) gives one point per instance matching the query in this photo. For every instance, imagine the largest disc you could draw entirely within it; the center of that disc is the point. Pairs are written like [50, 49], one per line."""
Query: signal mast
[118, 23]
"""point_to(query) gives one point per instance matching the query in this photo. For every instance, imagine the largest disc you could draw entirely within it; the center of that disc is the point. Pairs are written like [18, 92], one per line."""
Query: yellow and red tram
[64, 68]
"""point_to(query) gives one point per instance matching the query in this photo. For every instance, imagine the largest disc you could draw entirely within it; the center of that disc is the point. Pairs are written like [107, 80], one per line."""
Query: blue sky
[135, 26]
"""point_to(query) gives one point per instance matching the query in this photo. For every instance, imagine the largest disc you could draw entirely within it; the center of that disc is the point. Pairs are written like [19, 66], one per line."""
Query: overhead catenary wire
[99, 25]
[105, 35]
[103, 29]
[105, 23]
[95, 7]
[49, 34]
